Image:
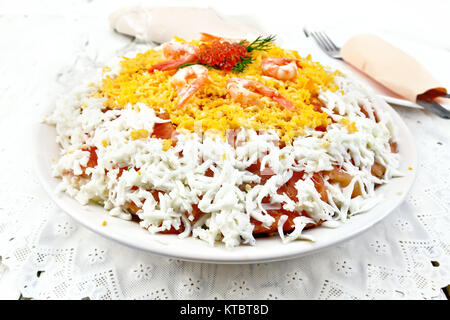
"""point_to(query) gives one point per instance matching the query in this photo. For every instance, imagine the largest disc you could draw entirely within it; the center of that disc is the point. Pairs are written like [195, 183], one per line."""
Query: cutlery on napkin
[396, 70]
[161, 24]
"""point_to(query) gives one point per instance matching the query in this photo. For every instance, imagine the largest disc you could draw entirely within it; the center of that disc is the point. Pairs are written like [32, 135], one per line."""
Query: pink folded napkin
[391, 67]
[161, 24]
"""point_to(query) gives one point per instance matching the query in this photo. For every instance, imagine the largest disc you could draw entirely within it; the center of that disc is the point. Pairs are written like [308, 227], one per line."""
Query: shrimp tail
[171, 64]
[284, 102]
[207, 37]
[186, 92]
[275, 95]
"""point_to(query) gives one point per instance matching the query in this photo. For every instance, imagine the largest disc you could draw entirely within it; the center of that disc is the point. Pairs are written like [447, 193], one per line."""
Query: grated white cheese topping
[227, 206]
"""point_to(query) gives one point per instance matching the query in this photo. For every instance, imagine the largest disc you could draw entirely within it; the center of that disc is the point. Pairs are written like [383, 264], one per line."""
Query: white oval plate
[266, 249]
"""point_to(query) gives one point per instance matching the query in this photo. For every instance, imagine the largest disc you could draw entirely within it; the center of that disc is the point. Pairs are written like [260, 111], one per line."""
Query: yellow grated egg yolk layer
[212, 107]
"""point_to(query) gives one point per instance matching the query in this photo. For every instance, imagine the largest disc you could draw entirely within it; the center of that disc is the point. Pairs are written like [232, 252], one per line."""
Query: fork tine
[326, 44]
[330, 42]
[316, 39]
[319, 41]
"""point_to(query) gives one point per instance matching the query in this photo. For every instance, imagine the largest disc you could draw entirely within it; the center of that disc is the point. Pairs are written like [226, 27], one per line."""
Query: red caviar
[222, 54]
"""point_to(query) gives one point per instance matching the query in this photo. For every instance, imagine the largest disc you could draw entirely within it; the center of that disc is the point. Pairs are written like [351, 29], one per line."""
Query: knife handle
[427, 101]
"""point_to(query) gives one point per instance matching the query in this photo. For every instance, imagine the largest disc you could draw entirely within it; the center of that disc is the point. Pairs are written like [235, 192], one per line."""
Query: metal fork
[325, 43]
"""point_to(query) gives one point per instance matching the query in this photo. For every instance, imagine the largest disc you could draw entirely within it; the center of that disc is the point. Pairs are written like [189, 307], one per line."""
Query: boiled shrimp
[248, 92]
[177, 53]
[279, 68]
[188, 80]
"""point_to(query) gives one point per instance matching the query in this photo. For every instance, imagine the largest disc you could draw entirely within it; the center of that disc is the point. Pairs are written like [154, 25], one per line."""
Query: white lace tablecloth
[45, 254]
